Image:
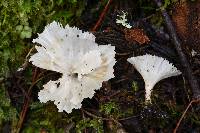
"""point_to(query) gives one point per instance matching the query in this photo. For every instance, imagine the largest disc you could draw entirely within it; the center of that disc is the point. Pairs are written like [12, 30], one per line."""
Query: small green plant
[167, 3]
[134, 86]
[110, 109]
[95, 124]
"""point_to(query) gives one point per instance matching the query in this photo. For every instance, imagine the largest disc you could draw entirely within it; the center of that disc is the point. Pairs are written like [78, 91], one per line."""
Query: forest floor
[119, 106]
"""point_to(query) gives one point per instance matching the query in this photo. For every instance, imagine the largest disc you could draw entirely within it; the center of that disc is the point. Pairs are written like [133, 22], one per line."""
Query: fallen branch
[101, 16]
[27, 101]
[25, 64]
[184, 113]
[120, 127]
[177, 43]
[94, 116]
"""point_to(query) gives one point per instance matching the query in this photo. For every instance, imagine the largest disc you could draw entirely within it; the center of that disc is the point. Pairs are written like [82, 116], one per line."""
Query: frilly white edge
[83, 63]
[153, 69]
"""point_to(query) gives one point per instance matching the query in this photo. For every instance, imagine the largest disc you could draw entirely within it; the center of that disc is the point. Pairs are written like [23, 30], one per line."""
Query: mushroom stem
[148, 89]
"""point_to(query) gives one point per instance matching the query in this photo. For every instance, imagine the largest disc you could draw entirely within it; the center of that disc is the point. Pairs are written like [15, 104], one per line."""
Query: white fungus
[193, 53]
[153, 69]
[83, 63]
[123, 20]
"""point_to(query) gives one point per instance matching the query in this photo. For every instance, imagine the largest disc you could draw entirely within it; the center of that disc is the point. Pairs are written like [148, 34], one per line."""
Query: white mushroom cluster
[153, 69]
[83, 63]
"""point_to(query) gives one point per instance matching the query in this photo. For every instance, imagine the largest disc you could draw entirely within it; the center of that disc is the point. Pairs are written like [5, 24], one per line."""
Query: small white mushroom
[153, 69]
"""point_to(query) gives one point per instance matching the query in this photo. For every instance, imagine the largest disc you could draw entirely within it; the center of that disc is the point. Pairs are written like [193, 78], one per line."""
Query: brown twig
[34, 75]
[101, 16]
[124, 54]
[93, 115]
[25, 64]
[123, 119]
[35, 79]
[83, 115]
[104, 119]
[184, 113]
[120, 80]
[177, 43]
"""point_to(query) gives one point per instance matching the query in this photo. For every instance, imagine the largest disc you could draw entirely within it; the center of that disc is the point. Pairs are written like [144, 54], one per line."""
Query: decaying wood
[186, 19]
[187, 72]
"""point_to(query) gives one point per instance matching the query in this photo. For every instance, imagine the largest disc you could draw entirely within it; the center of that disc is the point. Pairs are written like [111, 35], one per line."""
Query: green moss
[110, 108]
[20, 22]
[95, 124]
[7, 111]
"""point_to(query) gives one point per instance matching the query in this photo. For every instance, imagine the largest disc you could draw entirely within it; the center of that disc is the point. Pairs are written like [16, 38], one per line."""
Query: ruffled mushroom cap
[83, 63]
[153, 69]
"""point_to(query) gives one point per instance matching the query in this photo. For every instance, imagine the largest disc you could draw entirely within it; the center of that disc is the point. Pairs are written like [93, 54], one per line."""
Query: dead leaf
[137, 35]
